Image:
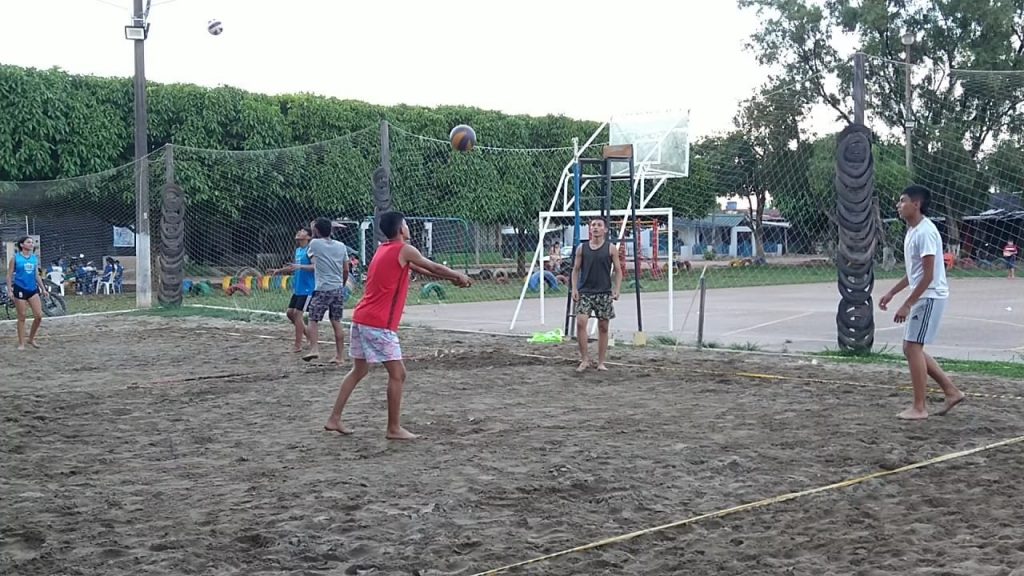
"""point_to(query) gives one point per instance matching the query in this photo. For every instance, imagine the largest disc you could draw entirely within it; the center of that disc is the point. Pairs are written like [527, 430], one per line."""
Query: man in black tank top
[596, 280]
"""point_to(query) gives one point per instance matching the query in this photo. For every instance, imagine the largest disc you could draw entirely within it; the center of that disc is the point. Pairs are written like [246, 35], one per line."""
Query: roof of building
[728, 220]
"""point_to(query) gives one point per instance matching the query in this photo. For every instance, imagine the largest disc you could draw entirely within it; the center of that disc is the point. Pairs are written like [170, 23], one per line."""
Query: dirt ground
[154, 445]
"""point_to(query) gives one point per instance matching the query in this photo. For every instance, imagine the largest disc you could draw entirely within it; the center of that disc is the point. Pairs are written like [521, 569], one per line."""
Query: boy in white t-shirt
[922, 311]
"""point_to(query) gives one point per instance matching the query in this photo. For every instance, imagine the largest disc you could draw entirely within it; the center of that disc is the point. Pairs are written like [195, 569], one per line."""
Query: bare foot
[601, 367]
[337, 427]
[951, 403]
[583, 366]
[912, 414]
[296, 350]
[21, 346]
[337, 361]
[311, 356]
[33, 344]
[400, 434]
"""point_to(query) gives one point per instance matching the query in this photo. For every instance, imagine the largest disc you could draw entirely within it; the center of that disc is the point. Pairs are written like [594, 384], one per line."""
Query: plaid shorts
[600, 306]
[332, 301]
[375, 345]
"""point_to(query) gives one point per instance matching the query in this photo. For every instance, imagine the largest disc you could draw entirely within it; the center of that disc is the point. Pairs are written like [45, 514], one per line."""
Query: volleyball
[463, 138]
[214, 27]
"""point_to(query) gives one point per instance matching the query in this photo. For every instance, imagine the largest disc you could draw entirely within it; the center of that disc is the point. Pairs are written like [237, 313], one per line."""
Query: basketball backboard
[660, 140]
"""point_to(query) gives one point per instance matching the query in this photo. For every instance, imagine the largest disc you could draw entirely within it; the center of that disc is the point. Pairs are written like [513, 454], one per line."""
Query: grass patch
[191, 311]
[746, 347]
[1002, 369]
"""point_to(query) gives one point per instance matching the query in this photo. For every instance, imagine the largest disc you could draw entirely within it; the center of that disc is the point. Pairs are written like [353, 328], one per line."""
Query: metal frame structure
[545, 218]
[572, 175]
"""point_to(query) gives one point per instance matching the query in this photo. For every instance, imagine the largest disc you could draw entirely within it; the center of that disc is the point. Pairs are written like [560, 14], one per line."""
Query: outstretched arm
[414, 259]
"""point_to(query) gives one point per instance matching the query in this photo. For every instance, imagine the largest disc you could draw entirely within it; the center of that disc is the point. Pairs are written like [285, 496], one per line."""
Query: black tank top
[595, 269]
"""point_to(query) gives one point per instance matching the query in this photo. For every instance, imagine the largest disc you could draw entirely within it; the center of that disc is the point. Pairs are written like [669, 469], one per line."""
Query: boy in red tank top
[374, 337]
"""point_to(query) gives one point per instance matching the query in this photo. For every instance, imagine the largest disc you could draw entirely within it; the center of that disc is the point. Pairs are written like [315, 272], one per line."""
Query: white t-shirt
[924, 240]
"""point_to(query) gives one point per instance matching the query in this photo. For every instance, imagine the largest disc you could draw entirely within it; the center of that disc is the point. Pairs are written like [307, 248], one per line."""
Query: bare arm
[10, 274]
[616, 272]
[928, 262]
[414, 259]
[40, 282]
[899, 287]
[423, 271]
[577, 265]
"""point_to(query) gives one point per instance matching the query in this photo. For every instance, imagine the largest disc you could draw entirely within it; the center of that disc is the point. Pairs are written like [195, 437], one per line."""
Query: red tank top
[387, 285]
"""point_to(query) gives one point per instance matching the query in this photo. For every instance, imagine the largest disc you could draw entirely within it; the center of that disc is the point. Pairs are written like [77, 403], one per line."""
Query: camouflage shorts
[600, 306]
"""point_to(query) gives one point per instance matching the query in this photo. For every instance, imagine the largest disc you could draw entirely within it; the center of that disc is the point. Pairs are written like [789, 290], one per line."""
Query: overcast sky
[569, 57]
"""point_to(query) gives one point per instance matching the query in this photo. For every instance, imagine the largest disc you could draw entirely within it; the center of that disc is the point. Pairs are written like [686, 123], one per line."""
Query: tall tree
[765, 157]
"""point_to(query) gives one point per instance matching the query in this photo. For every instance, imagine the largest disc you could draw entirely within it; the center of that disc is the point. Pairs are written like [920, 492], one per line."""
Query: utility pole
[137, 32]
[908, 122]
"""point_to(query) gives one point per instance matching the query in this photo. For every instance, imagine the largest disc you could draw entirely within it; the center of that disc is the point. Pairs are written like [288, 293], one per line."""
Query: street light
[137, 32]
[908, 40]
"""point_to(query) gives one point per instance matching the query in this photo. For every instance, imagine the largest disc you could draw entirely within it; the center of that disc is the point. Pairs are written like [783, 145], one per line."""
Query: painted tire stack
[857, 215]
[381, 199]
[172, 246]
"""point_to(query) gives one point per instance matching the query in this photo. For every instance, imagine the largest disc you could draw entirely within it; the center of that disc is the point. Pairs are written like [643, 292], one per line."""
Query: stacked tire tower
[857, 216]
[172, 246]
[381, 200]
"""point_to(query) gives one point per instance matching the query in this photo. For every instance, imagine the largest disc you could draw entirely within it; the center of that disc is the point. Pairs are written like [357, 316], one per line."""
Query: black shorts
[300, 303]
[20, 293]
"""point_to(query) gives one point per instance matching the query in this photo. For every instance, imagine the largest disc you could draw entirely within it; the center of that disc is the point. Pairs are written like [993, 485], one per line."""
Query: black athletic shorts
[20, 293]
[300, 303]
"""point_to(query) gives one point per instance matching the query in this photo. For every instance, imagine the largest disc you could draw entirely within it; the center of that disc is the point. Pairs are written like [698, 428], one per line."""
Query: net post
[671, 272]
[570, 327]
[541, 229]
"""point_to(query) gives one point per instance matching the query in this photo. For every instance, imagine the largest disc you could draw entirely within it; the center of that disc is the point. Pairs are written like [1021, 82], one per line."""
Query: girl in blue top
[302, 286]
[24, 283]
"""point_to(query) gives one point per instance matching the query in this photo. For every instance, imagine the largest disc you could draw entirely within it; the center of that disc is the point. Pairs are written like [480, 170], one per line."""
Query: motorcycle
[53, 304]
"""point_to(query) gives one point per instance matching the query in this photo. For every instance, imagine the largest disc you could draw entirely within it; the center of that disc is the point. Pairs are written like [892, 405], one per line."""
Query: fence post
[700, 313]
[858, 88]
[381, 186]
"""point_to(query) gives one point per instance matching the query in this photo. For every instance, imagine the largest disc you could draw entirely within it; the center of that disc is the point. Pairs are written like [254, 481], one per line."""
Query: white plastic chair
[57, 277]
[106, 283]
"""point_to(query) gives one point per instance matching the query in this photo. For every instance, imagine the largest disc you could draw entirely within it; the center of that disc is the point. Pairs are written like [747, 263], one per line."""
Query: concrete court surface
[984, 318]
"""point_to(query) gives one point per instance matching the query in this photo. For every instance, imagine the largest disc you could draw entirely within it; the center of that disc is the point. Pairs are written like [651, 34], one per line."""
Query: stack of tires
[172, 246]
[857, 215]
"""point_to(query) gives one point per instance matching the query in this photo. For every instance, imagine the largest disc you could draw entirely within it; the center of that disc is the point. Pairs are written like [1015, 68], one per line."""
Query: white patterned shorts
[375, 345]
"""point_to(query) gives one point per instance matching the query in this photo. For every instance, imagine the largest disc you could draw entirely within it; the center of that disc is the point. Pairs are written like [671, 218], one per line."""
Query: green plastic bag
[552, 337]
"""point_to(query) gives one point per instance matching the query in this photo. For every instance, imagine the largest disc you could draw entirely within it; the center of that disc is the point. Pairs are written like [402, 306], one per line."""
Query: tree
[954, 109]
[245, 160]
[765, 156]
[1004, 167]
[693, 196]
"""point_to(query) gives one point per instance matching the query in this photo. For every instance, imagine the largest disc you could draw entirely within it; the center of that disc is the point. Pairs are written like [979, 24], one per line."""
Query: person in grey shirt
[330, 270]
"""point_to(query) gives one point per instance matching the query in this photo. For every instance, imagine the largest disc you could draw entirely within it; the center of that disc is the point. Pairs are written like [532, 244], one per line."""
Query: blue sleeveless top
[25, 271]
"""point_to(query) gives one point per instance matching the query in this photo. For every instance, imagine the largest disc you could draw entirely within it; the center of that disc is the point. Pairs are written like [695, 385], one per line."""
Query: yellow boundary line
[755, 375]
[752, 505]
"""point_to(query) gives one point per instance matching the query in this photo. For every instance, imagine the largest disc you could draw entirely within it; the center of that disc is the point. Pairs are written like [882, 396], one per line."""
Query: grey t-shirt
[329, 259]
